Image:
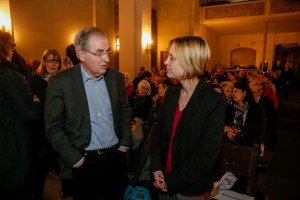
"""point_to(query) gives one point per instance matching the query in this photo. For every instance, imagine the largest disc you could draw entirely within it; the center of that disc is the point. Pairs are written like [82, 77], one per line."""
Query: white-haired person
[140, 101]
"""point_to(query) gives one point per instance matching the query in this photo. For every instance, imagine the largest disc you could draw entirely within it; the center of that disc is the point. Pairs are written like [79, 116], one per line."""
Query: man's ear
[80, 55]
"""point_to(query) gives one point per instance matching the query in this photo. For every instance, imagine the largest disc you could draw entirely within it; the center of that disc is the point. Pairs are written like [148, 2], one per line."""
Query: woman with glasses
[246, 125]
[45, 157]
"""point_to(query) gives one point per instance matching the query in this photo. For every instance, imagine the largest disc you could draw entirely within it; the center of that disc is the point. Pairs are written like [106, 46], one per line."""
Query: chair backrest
[240, 160]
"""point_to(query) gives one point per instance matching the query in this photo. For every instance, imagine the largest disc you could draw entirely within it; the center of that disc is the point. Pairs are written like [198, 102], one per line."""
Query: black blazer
[67, 119]
[197, 140]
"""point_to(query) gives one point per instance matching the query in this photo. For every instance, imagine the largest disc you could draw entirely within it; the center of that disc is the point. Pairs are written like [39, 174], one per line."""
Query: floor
[281, 179]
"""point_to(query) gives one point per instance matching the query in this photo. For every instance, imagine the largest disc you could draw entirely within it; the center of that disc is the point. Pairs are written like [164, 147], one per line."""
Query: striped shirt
[102, 126]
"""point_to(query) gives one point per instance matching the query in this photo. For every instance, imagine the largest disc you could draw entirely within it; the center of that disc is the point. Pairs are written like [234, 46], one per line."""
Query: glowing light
[5, 22]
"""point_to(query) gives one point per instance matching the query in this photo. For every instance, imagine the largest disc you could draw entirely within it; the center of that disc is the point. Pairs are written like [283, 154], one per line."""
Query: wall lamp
[117, 43]
[148, 47]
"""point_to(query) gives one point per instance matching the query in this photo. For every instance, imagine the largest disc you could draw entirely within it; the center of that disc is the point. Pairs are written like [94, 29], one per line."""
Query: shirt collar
[86, 77]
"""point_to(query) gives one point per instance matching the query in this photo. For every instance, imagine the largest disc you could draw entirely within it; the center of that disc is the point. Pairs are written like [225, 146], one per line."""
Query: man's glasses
[52, 61]
[100, 54]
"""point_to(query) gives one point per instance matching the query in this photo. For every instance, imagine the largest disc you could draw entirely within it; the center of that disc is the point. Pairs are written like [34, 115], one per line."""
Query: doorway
[289, 53]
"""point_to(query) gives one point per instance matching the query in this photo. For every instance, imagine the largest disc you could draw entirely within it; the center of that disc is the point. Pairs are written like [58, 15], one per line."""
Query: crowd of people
[101, 130]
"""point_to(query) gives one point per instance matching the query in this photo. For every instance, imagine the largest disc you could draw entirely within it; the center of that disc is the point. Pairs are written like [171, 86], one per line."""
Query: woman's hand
[232, 132]
[159, 181]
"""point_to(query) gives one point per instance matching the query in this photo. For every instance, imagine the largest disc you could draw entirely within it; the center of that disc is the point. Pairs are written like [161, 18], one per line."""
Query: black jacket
[17, 112]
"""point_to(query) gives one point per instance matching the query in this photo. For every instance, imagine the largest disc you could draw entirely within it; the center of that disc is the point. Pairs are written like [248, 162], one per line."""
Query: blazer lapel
[112, 91]
[80, 94]
[171, 108]
[194, 105]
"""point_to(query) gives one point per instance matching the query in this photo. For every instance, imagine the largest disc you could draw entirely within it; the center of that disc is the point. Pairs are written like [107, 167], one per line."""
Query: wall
[173, 21]
[135, 20]
[212, 38]
[227, 43]
[41, 24]
[256, 41]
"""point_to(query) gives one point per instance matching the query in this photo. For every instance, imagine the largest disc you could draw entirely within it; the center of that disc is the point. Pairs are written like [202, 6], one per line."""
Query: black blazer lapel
[194, 105]
[80, 94]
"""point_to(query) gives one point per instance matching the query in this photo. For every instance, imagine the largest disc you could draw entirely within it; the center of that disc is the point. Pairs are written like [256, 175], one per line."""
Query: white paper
[231, 195]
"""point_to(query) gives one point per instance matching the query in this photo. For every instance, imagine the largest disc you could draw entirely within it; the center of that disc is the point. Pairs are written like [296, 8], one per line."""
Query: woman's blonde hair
[41, 70]
[193, 54]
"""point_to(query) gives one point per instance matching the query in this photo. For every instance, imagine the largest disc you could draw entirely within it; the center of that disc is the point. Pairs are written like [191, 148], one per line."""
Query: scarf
[239, 113]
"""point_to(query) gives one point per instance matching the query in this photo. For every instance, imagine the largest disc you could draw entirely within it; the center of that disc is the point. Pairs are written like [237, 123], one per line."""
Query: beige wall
[227, 43]
[135, 20]
[230, 42]
[212, 38]
[40, 24]
[173, 21]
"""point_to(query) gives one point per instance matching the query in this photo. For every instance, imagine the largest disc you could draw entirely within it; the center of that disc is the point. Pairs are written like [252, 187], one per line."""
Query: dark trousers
[102, 176]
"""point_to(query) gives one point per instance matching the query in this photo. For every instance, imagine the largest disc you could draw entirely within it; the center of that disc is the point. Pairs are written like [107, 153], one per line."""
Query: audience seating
[241, 161]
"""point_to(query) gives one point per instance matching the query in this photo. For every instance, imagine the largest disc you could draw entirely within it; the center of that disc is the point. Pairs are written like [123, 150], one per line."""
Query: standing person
[71, 59]
[18, 109]
[87, 119]
[45, 157]
[189, 137]
[287, 78]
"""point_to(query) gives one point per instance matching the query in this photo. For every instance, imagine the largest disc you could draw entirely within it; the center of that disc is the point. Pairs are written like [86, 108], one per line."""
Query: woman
[45, 157]
[140, 101]
[187, 143]
[247, 124]
[139, 168]
[18, 111]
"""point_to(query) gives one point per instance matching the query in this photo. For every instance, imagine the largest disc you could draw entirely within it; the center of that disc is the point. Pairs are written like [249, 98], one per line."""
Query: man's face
[95, 60]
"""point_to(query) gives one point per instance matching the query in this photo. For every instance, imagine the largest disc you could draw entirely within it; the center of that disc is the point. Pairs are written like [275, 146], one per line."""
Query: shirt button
[99, 114]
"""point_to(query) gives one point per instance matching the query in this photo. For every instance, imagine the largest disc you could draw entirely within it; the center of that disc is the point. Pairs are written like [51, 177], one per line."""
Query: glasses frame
[52, 61]
[100, 54]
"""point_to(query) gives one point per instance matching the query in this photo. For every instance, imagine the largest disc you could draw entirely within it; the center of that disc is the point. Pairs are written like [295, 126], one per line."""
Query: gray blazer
[67, 119]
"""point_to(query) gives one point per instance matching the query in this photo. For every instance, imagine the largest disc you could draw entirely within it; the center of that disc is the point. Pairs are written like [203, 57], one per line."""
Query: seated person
[270, 113]
[246, 126]
[140, 101]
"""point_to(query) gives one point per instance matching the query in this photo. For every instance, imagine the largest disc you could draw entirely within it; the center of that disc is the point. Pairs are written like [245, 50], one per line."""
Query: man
[87, 119]
[18, 110]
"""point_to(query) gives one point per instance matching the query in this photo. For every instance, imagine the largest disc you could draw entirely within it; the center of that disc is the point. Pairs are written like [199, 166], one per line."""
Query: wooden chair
[240, 160]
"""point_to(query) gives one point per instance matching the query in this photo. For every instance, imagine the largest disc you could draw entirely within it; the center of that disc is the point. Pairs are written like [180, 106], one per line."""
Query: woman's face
[51, 64]
[161, 90]
[238, 95]
[174, 69]
[143, 90]
[228, 92]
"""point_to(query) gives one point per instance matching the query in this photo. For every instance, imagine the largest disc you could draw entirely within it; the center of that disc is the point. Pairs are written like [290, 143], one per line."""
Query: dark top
[253, 129]
[17, 113]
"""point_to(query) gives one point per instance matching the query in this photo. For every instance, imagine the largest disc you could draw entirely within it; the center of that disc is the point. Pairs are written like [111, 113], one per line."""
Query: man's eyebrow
[101, 50]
